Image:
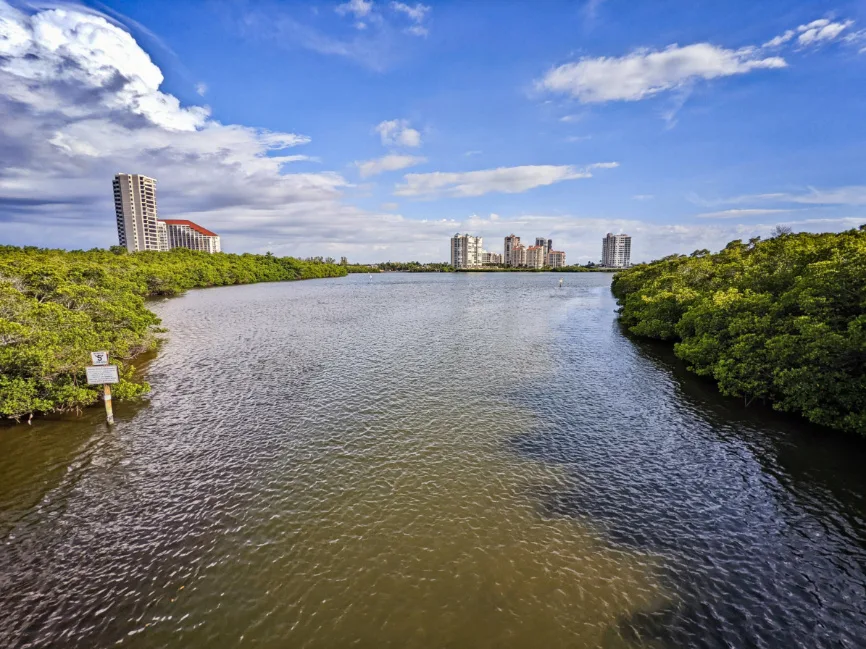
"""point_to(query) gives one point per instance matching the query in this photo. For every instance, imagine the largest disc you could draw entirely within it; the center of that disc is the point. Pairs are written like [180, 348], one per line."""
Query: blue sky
[377, 129]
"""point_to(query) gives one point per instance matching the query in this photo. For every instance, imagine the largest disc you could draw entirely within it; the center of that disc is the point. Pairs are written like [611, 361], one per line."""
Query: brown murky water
[426, 461]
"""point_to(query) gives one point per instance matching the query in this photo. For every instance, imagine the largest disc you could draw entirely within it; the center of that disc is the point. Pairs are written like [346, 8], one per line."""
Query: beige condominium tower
[466, 251]
[135, 207]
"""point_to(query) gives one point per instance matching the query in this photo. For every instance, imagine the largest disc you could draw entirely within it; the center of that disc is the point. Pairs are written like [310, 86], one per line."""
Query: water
[427, 461]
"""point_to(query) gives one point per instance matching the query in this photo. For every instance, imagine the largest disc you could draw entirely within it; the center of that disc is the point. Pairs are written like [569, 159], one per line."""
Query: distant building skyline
[138, 225]
[413, 165]
[542, 254]
[467, 252]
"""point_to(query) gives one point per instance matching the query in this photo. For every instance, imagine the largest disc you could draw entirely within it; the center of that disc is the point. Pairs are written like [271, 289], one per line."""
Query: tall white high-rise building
[135, 208]
[466, 251]
[616, 251]
[512, 241]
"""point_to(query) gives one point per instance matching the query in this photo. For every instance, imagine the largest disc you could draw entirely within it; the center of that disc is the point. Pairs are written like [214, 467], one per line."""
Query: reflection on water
[425, 461]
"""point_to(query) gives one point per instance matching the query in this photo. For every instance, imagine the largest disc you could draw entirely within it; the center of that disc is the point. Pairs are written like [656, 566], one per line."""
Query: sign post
[102, 372]
[106, 397]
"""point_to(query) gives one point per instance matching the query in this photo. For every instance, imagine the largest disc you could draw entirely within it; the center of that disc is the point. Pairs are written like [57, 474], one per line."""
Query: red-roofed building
[181, 233]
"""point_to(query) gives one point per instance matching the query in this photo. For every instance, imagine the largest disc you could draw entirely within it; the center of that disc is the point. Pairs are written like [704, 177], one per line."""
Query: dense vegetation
[415, 267]
[588, 268]
[56, 307]
[781, 320]
[360, 268]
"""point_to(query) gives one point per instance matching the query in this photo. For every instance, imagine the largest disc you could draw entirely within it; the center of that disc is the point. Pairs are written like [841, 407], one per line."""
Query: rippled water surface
[427, 461]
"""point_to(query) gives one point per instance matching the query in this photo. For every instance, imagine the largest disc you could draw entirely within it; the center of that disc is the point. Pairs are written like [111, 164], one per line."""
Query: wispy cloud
[378, 41]
[508, 180]
[417, 30]
[358, 8]
[201, 88]
[850, 195]
[390, 162]
[671, 112]
[591, 7]
[816, 32]
[847, 195]
[417, 14]
[739, 213]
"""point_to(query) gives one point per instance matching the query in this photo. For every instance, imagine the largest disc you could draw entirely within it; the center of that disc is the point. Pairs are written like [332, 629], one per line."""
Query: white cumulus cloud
[397, 132]
[390, 162]
[95, 59]
[80, 100]
[509, 180]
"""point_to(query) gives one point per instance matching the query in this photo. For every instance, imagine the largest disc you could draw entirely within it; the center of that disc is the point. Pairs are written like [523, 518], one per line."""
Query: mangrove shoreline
[58, 306]
[780, 321]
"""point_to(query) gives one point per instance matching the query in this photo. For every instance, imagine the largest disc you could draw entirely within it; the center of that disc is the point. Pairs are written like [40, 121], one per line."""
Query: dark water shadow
[759, 515]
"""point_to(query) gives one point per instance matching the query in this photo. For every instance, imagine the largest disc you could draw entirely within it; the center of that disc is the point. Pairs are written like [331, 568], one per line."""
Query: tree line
[781, 320]
[415, 267]
[57, 306]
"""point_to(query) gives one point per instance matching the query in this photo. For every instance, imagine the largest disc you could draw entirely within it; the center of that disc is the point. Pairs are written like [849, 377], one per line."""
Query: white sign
[99, 358]
[102, 374]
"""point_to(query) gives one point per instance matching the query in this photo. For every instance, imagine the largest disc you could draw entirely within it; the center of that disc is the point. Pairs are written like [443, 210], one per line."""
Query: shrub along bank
[57, 306]
[781, 320]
